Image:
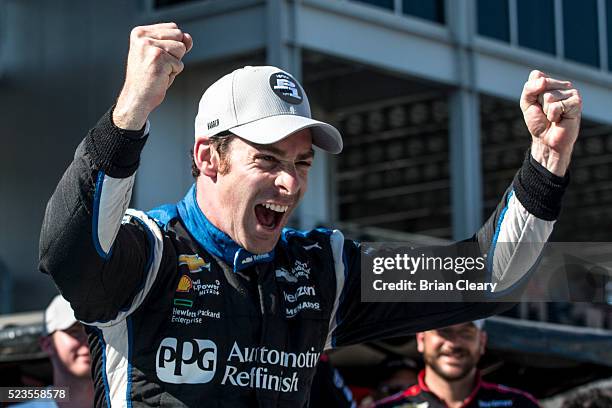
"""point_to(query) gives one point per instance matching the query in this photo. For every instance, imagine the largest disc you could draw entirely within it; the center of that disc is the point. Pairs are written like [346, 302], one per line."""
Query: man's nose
[289, 181]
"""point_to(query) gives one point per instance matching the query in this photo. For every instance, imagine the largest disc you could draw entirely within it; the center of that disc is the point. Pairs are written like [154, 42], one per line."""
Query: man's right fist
[154, 60]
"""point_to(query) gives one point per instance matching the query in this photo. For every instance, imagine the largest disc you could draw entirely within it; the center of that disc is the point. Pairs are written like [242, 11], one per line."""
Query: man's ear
[206, 158]
[483, 342]
[46, 344]
[420, 336]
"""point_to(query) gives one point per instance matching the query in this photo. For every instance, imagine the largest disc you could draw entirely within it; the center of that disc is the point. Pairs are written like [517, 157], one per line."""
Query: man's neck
[453, 393]
[80, 390]
[195, 215]
[208, 204]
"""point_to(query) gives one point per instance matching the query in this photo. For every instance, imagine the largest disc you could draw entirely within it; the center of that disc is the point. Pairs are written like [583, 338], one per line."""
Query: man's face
[262, 187]
[452, 352]
[69, 350]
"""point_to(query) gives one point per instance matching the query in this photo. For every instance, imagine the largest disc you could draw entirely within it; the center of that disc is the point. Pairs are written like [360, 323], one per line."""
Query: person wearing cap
[65, 342]
[451, 378]
[212, 301]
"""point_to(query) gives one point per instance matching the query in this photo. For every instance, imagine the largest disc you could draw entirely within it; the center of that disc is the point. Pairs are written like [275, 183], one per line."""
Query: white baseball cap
[58, 315]
[263, 105]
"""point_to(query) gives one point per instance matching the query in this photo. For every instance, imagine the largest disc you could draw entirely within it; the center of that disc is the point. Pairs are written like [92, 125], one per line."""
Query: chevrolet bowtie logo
[193, 262]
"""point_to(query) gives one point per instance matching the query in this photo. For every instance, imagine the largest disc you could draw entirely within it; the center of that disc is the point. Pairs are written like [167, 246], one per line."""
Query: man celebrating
[212, 302]
[450, 377]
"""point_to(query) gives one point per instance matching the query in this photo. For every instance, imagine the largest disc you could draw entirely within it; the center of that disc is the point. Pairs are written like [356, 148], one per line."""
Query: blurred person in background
[593, 398]
[451, 378]
[397, 375]
[65, 342]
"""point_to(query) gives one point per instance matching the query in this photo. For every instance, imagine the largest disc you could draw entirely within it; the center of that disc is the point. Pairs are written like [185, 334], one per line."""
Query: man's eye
[268, 158]
[305, 164]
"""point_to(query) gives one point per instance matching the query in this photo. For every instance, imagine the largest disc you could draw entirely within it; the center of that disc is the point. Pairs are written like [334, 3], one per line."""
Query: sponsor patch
[186, 361]
[283, 273]
[189, 317]
[197, 286]
[183, 302]
[255, 258]
[313, 246]
[194, 262]
[206, 288]
[299, 292]
[196, 361]
[299, 269]
[185, 284]
[293, 311]
[263, 375]
[495, 403]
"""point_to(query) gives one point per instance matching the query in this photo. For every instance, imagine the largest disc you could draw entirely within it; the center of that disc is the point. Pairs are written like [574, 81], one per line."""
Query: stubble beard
[466, 368]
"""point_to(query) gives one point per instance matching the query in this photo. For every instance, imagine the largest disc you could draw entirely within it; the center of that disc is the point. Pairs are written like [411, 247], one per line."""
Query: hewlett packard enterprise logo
[192, 361]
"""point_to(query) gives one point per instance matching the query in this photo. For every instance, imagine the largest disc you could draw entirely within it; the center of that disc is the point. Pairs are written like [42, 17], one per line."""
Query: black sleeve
[526, 213]
[328, 387]
[97, 262]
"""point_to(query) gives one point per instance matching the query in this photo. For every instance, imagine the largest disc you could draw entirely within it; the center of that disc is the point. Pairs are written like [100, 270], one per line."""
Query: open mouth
[270, 215]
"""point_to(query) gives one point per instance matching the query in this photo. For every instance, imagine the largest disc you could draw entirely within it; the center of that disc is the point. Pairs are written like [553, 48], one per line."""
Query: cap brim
[66, 324]
[58, 315]
[58, 324]
[275, 128]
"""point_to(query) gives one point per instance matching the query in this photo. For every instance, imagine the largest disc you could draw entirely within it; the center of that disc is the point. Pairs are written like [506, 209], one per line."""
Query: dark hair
[221, 143]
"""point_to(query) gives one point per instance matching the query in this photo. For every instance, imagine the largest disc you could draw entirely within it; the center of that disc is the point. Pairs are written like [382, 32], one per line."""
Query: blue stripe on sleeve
[96, 215]
[104, 378]
[128, 392]
[496, 235]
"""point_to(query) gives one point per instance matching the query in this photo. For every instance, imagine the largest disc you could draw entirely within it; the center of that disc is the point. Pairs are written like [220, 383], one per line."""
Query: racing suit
[180, 315]
[484, 394]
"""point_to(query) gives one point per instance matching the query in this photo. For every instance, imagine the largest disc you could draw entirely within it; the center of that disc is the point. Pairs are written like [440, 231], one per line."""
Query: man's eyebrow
[308, 155]
[281, 153]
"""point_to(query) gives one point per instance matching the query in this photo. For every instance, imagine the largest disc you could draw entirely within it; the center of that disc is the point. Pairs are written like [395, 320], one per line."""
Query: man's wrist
[539, 190]
[126, 117]
[114, 150]
[555, 162]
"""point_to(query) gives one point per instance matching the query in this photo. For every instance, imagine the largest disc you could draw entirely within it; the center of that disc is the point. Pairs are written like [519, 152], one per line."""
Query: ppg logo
[186, 361]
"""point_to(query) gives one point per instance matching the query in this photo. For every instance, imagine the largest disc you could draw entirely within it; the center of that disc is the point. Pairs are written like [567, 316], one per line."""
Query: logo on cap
[286, 88]
[213, 124]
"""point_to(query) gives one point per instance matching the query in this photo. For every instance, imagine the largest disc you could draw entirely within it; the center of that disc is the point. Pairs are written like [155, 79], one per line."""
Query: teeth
[277, 208]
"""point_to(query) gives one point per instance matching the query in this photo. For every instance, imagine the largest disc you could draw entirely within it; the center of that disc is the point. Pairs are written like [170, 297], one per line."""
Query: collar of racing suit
[477, 383]
[213, 239]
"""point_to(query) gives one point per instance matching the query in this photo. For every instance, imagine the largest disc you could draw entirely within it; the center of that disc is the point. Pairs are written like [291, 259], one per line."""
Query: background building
[425, 92]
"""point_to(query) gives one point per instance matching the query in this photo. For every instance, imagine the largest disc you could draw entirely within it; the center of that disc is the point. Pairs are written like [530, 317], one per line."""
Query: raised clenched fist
[153, 62]
[552, 110]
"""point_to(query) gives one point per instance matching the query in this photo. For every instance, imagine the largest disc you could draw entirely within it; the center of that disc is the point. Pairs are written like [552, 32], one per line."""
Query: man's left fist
[552, 111]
